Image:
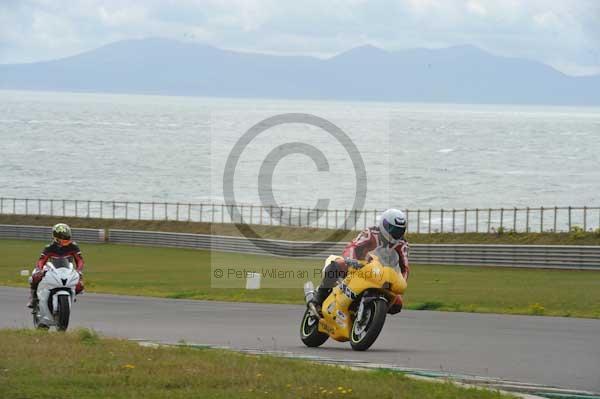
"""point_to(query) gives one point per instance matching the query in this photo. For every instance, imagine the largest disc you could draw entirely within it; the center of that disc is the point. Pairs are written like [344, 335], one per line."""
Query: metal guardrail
[43, 233]
[427, 221]
[528, 256]
[226, 243]
[536, 256]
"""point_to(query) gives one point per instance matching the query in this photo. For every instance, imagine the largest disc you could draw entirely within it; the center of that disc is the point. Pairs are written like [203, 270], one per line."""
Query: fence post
[515, 219]
[26, 206]
[76, 208]
[1, 205]
[442, 220]
[527, 220]
[63, 208]
[418, 221]
[88, 209]
[465, 222]
[489, 224]
[222, 214]
[166, 211]
[139, 210]
[153, 206]
[307, 217]
[502, 218]
[476, 220]
[555, 214]
[177, 211]
[585, 218]
[541, 219]
[299, 217]
[39, 207]
[101, 209]
[327, 218]
[569, 218]
[202, 206]
[126, 210]
[51, 207]
[429, 222]
[407, 220]
[271, 215]
[260, 220]
[212, 218]
[453, 219]
[14, 206]
[345, 219]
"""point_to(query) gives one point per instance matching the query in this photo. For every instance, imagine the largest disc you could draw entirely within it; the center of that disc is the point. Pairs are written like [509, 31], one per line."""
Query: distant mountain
[462, 74]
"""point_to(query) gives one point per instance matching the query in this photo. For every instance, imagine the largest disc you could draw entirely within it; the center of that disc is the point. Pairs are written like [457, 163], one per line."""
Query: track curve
[563, 352]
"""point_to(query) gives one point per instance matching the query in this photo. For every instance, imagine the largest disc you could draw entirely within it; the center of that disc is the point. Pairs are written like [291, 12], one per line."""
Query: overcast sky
[562, 33]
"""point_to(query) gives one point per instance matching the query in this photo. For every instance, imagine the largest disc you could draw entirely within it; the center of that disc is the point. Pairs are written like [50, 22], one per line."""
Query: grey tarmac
[554, 351]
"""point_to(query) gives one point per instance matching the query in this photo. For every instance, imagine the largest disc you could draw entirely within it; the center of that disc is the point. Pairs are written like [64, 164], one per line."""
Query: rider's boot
[321, 293]
[32, 298]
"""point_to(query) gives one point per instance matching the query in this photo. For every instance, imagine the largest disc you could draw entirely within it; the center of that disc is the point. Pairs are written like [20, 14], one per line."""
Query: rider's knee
[332, 273]
[79, 287]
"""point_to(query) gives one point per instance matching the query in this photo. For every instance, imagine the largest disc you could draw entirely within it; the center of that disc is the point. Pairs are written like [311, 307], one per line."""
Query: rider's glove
[353, 263]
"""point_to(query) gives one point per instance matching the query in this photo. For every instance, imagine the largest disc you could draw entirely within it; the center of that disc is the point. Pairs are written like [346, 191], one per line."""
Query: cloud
[562, 33]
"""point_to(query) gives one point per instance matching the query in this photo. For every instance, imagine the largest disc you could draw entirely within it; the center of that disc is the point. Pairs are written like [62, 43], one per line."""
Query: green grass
[181, 273]
[576, 237]
[83, 365]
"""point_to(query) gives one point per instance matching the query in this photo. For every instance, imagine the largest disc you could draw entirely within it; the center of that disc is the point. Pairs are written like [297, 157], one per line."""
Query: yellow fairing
[337, 320]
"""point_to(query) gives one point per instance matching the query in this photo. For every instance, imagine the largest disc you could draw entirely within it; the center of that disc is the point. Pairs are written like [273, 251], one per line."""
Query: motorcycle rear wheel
[36, 320]
[365, 332]
[309, 331]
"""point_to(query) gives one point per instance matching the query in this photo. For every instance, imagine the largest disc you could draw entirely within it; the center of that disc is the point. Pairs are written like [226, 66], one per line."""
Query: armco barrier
[536, 256]
[532, 256]
[43, 233]
[225, 243]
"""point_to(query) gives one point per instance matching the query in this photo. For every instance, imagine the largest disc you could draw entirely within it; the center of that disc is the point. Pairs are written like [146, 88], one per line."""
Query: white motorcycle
[55, 295]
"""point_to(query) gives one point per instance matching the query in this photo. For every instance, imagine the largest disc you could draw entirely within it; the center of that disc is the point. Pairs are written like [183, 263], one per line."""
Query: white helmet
[392, 225]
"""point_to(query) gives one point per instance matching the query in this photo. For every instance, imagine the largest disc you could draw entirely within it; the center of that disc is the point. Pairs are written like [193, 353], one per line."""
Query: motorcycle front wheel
[63, 313]
[309, 331]
[366, 330]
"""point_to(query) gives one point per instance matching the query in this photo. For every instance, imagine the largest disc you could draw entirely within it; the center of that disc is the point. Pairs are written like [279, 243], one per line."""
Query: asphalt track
[563, 352]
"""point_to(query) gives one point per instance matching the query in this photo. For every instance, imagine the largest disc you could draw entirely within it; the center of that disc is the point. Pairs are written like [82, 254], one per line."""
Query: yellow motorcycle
[356, 309]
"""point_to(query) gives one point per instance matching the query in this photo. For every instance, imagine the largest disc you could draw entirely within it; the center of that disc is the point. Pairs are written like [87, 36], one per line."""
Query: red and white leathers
[59, 251]
[369, 239]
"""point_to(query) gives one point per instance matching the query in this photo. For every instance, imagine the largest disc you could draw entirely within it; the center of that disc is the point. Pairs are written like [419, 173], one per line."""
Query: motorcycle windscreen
[61, 263]
[387, 256]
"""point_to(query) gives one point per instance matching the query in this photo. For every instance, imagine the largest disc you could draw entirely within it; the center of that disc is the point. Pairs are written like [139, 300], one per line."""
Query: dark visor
[396, 232]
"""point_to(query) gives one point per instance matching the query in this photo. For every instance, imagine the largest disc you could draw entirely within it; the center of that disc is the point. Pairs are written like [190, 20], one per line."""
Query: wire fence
[428, 221]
